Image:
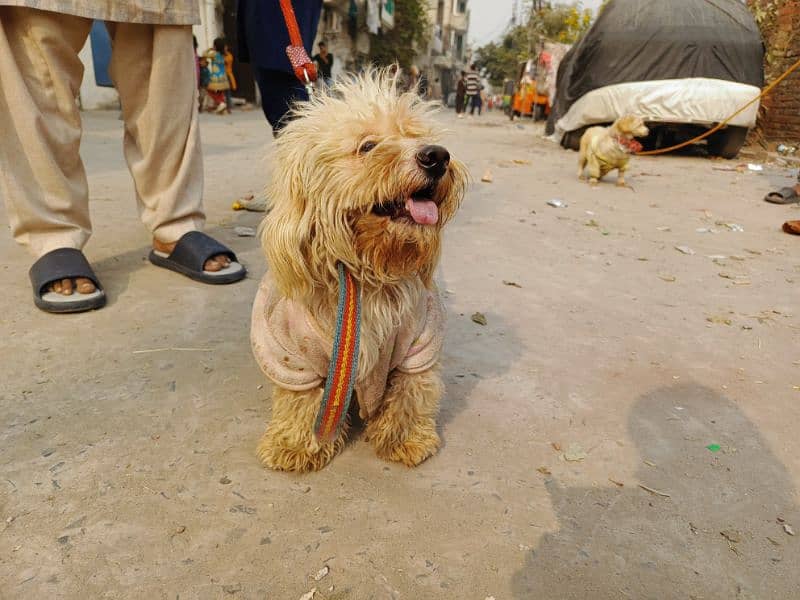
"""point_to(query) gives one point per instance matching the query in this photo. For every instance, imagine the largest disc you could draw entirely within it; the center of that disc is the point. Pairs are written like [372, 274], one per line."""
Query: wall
[780, 26]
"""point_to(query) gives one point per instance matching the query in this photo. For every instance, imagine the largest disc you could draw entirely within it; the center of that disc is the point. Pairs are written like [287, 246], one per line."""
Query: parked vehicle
[684, 66]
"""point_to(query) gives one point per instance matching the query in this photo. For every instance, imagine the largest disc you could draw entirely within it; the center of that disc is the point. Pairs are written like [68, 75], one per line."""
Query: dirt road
[624, 426]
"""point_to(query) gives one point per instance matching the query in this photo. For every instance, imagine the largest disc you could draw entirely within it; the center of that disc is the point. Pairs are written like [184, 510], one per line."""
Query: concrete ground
[625, 425]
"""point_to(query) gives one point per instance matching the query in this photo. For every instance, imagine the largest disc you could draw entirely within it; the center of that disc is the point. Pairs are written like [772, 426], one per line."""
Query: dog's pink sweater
[295, 353]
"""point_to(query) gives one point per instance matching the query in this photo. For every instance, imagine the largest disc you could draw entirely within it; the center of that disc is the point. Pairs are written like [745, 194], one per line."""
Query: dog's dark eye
[366, 147]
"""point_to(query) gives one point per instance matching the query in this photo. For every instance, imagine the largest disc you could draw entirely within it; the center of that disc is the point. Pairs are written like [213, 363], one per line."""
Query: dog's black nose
[434, 159]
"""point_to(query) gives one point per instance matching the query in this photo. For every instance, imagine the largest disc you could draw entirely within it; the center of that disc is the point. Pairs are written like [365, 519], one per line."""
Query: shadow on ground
[717, 535]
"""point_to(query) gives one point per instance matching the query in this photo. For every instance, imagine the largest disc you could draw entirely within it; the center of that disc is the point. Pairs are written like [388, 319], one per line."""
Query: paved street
[625, 425]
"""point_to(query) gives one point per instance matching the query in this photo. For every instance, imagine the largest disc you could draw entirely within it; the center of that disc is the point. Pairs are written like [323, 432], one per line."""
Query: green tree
[501, 60]
[401, 43]
[560, 23]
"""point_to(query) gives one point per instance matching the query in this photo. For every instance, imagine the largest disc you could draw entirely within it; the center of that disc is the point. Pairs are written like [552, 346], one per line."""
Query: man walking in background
[473, 90]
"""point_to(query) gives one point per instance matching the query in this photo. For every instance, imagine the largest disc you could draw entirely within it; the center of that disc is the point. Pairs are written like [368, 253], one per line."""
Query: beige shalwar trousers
[42, 178]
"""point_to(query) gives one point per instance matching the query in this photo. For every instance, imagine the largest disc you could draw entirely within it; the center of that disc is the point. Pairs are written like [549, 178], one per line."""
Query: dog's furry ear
[287, 230]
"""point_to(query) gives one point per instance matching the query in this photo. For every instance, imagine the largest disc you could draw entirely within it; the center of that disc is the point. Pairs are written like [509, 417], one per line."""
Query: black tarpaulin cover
[648, 40]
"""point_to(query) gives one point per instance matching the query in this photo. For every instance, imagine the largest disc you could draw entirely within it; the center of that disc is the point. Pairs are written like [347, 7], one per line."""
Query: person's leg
[42, 177]
[228, 100]
[278, 91]
[151, 66]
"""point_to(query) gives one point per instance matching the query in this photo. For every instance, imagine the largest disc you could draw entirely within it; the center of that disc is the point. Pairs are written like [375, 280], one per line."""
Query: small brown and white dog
[604, 149]
[360, 184]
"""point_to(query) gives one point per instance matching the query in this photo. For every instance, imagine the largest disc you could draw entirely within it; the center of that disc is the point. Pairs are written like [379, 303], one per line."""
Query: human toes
[212, 266]
[222, 259]
[84, 285]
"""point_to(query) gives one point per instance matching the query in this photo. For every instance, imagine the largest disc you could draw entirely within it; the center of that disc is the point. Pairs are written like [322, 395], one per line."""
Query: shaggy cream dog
[358, 181]
[604, 149]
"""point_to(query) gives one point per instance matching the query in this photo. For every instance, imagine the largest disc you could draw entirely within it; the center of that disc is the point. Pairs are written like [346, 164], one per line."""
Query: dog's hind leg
[289, 443]
[405, 428]
[581, 165]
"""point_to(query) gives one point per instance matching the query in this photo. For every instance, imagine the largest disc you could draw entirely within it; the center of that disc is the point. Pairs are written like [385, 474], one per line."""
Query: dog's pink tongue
[424, 212]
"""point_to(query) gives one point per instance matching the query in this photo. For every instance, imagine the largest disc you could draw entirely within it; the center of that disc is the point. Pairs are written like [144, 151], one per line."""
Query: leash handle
[303, 67]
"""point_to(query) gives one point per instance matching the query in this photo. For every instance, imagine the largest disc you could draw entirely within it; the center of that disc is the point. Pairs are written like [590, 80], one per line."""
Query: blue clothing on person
[263, 38]
[263, 35]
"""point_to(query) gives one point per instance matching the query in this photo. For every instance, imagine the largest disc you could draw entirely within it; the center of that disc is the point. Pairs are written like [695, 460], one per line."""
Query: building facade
[448, 52]
[344, 26]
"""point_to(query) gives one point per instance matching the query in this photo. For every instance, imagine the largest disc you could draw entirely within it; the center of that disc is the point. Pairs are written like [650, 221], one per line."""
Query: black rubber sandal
[190, 255]
[785, 195]
[64, 263]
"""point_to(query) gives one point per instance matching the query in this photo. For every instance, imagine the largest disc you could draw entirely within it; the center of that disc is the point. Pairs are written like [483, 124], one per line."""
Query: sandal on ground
[190, 256]
[792, 227]
[64, 263]
[785, 195]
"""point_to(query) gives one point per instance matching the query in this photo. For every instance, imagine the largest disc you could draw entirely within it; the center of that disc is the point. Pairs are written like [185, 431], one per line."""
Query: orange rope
[719, 126]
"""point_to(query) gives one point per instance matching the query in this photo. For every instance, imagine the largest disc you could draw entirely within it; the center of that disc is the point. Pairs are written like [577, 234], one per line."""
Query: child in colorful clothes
[231, 77]
[218, 82]
[205, 79]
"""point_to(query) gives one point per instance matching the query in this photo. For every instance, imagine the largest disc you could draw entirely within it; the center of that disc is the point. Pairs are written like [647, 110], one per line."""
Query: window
[459, 45]
[461, 7]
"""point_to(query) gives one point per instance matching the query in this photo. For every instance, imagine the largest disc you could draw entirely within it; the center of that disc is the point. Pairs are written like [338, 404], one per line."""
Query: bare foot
[212, 265]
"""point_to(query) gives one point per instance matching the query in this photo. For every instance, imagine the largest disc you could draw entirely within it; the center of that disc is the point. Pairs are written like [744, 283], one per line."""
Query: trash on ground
[706, 230]
[668, 278]
[714, 447]
[479, 318]
[755, 167]
[654, 491]
[731, 226]
[309, 595]
[487, 176]
[717, 256]
[519, 161]
[245, 231]
[684, 250]
[784, 149]
[556, 203]
[592, 223]
[544, 471]
[719, 320]
[512, 284]
[250, 203]
[575, 453]
[664, 228]
[322, 573]
[617, 483]
[649, 463]
[731, 535]
[788, 529]
[556, 446]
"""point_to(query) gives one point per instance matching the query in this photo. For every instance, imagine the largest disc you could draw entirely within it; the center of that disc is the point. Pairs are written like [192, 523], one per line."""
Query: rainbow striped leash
[343, 369]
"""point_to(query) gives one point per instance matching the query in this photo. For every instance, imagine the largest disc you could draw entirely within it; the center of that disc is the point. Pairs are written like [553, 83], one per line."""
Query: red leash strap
[304, 69]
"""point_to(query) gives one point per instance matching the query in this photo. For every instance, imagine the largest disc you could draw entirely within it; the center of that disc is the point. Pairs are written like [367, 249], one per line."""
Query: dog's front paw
[299, 453]
[410, 448]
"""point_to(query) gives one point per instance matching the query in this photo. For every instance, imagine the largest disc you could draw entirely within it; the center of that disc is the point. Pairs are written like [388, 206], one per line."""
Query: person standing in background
[263, 38]
[473, 90]
[218, 84]
[231, 77]
[461, 93]
[324, 60]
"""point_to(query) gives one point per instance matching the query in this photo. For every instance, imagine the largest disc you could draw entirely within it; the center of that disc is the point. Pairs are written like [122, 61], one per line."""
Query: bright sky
[489, 18]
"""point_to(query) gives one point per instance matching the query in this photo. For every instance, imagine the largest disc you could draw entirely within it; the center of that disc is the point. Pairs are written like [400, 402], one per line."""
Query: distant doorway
[246, 87]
